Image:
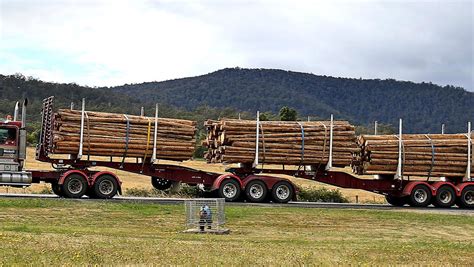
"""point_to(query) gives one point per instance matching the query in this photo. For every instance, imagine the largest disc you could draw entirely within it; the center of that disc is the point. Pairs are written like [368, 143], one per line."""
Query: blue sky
[105, 43]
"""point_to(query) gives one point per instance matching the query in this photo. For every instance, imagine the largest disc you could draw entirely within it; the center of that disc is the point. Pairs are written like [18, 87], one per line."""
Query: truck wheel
[256, 191]
[160, 183]
[230, 190]
[90, 192]
[467, 197]
[282, 192]
[445, 197]
[105, 186]
[420, 196]
[74, 186]
[56, 189]
[396, 201]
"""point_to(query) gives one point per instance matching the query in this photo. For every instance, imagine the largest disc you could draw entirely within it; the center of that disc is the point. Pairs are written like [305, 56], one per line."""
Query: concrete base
[208, 231]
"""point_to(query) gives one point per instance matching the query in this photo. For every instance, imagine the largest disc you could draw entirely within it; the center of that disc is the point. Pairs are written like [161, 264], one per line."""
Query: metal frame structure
[236, 180]
[205, 214]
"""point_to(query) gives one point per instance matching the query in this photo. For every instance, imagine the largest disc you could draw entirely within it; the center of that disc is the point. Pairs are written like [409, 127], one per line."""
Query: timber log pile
[436, 155]
[105, 134]
[280, 142]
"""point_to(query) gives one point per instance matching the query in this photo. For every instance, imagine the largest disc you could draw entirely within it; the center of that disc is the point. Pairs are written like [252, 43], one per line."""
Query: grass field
[69, 232]
[131, 180]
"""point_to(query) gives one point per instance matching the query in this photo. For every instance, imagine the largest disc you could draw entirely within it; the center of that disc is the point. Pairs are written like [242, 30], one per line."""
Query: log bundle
[106, 134]
[280, 142]
[430, 155]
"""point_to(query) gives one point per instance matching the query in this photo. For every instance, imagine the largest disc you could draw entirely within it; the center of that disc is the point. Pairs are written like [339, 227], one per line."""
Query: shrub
[143, 192]
[184, 191]
[189, 191]
[321, 195]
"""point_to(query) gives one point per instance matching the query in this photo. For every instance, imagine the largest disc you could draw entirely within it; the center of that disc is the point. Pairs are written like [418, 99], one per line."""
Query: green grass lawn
[68, 232]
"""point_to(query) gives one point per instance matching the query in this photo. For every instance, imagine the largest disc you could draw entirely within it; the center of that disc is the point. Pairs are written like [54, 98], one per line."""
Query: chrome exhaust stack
[23, 113]
[16, 112]
[22, 135]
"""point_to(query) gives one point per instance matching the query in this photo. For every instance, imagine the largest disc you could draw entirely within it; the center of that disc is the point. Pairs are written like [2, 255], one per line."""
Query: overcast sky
[114, 42]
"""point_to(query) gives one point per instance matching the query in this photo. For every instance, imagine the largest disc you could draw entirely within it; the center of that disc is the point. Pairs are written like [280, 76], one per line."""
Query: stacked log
[105, 134]
[435, 155]
[280, 142]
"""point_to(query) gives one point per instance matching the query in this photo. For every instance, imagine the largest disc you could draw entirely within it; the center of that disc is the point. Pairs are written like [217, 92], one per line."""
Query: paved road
[157, 200]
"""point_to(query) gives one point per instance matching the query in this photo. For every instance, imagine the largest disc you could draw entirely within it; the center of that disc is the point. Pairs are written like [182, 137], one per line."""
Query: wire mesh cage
[205, 214]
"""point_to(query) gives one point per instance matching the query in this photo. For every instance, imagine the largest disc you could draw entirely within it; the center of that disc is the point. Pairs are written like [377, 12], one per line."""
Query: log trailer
[73, 177]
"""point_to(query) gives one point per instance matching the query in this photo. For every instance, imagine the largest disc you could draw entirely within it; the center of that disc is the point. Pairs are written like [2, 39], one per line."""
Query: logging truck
[74, 176]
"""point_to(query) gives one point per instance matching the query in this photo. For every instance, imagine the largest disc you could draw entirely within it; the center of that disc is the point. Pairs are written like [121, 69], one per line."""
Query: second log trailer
[73, 178]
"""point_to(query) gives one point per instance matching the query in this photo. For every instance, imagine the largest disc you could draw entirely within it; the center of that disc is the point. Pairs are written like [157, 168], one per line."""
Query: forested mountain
[423, 106]
[15, 87]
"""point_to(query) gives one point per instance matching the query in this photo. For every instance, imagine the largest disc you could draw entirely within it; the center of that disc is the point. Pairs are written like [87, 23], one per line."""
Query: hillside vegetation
[228, 92]
[16, 87]
[424, 106]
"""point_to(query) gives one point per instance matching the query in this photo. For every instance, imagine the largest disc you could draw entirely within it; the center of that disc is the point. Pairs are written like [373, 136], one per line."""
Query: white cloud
[116, 42]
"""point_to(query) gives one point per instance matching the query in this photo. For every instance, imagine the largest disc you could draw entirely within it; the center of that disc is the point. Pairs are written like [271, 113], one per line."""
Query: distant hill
[423, 106]
[15, 87]
[227, 92]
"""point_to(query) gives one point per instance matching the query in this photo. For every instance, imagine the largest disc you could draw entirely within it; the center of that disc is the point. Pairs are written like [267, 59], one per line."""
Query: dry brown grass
[131, 180]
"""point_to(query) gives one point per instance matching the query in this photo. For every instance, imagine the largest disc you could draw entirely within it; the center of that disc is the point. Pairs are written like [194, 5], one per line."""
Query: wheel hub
[445, 197]
[229, 190]
[162, 181]
[420, 195]
[74, 186]
[282, 192]
[469, 197]
[106, 187]
[256, 191]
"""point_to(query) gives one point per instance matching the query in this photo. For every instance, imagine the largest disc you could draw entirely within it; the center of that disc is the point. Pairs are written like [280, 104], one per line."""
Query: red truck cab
[13, 153]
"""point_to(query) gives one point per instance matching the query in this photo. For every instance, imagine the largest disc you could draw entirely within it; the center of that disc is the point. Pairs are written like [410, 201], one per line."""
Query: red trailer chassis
[398, 192]
[256, 185]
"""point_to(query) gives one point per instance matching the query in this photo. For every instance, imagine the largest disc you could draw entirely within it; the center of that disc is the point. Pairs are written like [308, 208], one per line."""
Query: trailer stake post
[79, 155]
[470, 158]
[153, 157]
[255, 162]
[399, 174]
[329, 165]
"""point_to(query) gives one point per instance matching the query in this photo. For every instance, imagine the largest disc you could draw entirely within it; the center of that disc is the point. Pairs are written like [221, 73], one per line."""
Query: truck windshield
[7, 136]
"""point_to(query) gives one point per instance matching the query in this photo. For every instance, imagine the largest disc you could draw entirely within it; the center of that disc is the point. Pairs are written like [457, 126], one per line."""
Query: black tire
[256, 191]
[230, 190]
[74, 186]
[445, 197]
[160, 183]
[90, 192]
[282, 192]
[396, 201]
[466, 200]
[105, 186]
[420, 196]
[56, 189]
